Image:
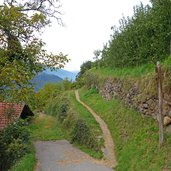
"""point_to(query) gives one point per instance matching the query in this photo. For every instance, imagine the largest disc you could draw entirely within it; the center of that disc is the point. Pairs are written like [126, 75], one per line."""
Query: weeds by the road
[45, 127]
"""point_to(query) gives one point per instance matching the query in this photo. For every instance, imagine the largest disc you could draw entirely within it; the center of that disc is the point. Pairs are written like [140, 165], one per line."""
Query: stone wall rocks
[141, 96]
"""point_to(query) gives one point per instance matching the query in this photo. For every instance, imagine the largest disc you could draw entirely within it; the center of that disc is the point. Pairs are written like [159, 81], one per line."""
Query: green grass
[122, 72]
[45, 127]
[135, 137]
[133, 72]
[92, 124]
[86, 115]
[167, 62]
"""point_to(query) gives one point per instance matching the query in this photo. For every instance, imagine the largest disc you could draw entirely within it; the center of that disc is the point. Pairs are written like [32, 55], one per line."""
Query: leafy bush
[63, 111]
[14, 143]
[82, 134]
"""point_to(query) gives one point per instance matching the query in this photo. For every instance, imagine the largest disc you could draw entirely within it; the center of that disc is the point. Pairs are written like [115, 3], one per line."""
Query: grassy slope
[122, 72]
[135, 72]
[94, 126]
[135, 137]
[91, 122]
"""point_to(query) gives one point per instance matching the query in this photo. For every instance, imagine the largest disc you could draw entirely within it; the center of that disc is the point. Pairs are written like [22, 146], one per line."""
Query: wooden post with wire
[160, 96]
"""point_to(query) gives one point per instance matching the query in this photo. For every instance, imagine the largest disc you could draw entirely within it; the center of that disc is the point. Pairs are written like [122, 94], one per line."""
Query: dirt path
[60, 155]
[108, 141]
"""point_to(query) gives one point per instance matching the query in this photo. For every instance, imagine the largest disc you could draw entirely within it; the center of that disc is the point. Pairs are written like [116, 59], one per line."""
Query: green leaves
[14, 143]
[23, 54]
[143, 38]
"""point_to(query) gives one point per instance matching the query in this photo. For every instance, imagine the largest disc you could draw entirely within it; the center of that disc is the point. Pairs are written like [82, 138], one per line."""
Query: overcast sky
[87, 27]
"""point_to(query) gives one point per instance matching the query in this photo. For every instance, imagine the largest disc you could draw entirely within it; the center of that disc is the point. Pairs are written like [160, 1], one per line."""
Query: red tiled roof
[9, 111]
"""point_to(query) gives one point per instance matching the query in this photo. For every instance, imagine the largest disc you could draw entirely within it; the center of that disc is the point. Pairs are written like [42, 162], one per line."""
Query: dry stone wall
[140, 94]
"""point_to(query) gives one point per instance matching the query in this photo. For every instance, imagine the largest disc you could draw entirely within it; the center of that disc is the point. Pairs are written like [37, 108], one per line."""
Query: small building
[12, 111]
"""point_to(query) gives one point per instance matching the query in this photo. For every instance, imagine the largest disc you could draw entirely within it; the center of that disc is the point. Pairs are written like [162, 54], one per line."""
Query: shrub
[81, 134]
[63, 111]
[14, 143]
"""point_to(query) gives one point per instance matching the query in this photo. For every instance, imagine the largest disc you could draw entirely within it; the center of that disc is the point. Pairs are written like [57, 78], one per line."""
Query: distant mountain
[64, 74]
[41, 79]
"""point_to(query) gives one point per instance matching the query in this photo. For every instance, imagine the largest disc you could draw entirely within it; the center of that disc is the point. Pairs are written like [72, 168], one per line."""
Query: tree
[50, 91]
[96, 54]
[143, 38]
[22, 53]
[84, 67]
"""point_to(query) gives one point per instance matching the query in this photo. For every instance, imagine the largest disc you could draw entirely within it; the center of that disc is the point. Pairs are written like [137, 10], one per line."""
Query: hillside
[64, 74]
[127, 100]
[42, 79]
[136, 86]
[135, 137]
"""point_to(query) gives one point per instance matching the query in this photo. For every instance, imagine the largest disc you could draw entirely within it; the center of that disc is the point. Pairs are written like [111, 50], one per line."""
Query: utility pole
[160, 96]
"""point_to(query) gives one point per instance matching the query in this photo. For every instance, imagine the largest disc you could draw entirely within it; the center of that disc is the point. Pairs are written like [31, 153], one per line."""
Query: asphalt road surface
[60, 155]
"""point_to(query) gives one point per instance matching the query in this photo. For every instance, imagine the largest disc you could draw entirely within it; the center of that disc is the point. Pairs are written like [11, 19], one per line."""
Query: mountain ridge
[62, 73]
[41, 79]
[55, 76]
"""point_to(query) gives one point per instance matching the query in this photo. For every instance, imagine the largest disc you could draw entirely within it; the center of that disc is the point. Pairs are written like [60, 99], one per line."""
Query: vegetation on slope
[86, 115]
[142, 38]
[133, 72]
[135, 137]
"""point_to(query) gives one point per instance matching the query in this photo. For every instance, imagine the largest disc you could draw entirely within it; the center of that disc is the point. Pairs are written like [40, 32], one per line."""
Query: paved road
[62, 156]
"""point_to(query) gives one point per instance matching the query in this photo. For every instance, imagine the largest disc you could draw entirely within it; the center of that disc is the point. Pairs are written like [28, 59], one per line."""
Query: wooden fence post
[160, 96]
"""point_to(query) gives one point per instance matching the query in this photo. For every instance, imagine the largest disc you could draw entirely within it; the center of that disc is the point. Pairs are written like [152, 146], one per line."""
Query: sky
[87, 28]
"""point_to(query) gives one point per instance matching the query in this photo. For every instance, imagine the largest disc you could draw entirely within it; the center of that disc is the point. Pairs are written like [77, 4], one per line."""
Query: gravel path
[108, 141]
[62, 156]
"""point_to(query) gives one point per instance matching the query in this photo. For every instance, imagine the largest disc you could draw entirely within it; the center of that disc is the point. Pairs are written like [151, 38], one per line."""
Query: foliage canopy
[22, 53]
[143, 38]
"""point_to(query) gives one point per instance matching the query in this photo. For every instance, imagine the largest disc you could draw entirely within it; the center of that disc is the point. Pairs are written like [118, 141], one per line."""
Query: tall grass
[135, 137]
[46, 128]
